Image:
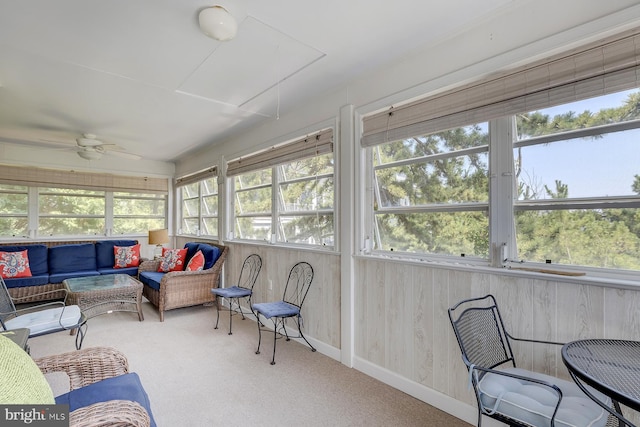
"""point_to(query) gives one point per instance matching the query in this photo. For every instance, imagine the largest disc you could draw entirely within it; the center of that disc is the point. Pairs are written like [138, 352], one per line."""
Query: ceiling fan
[89, 147]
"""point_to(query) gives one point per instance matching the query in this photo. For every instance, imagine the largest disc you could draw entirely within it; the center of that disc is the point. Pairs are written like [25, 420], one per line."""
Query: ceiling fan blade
[123, 154]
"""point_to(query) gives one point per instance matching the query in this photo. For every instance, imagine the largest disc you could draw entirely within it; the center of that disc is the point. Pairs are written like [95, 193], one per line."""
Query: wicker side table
[98, 295]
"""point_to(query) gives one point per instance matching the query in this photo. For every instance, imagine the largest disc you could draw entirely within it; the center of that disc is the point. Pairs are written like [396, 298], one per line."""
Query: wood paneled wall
[401, 322]
[321, 310]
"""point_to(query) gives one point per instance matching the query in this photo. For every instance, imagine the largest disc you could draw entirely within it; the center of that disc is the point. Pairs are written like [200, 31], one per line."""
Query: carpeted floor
[197, 376]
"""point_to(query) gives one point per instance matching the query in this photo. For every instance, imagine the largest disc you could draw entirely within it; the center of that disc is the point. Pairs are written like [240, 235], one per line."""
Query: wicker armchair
[88, 366]
[183, 288]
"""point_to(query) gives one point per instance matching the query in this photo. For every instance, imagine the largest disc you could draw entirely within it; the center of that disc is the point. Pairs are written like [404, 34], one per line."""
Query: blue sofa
[50, 265]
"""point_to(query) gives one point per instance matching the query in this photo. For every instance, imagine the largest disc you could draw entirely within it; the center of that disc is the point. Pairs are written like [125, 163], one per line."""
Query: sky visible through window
[590, 167]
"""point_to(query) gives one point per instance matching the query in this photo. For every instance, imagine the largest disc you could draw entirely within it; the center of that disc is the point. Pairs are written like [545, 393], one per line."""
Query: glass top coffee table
[106, 293]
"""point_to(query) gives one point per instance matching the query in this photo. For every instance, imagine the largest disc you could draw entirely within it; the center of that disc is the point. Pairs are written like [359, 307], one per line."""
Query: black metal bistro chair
[41, 319]
[295, 292]
[244, 289]
[515, 396]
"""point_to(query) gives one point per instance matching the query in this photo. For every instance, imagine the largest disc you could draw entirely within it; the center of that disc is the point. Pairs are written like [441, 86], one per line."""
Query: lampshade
[158, 237]
[218, 23]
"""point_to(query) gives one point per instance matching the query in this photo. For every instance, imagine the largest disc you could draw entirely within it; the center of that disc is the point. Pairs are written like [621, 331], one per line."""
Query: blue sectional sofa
[50, 265]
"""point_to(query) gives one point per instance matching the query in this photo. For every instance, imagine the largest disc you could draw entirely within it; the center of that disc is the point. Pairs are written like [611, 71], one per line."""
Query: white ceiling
[141, 75]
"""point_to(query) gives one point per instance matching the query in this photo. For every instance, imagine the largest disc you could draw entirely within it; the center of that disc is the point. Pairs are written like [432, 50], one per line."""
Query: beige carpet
[197, 376]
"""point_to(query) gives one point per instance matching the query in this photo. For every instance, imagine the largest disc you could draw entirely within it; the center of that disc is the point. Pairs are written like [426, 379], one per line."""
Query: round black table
[610, 366]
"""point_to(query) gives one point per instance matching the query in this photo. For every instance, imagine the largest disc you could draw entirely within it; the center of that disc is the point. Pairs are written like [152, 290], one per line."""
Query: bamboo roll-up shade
[604, 67]
[40, 177]
[197, 177]
[310, 146]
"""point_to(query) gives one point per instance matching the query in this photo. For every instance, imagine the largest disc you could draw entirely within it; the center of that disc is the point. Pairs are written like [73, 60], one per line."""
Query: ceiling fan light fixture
[217, 23]
[90, 154]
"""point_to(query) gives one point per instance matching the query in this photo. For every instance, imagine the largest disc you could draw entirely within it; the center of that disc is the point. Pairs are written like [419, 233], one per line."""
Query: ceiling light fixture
[90, 153]
[216, 22]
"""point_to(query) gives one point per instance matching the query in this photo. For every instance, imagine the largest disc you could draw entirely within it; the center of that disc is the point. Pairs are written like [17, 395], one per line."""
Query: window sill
[587, 276]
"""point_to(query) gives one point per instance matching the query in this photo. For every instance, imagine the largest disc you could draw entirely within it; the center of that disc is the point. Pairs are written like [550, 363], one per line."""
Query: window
[286, 194]
[63, 211]
[135, 213]
[14, 211]
[199, 211]
[555, 146]
[578, 183]
[431, 193]
[56, 203]
[306, 203]
[253, 207]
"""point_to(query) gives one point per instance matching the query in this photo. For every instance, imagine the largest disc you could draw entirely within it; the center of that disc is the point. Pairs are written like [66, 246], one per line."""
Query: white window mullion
[501, 191]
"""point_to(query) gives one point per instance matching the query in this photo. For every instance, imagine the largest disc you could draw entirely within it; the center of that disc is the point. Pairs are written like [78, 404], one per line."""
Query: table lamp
[158, 238]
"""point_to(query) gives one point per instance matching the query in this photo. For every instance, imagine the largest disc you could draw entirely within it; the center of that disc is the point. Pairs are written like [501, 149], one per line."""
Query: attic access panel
[247, 66]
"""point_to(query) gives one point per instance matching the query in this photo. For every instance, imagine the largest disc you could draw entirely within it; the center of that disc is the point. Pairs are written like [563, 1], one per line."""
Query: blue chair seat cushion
[276, 309]
[533, 404]
[121, 387]
[232, 292]
[151, 279]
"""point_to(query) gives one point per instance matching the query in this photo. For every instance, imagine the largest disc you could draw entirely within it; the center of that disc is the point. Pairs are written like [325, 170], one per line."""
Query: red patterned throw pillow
[126, 256]
[172, 260]
[14, 265]
[196, 263]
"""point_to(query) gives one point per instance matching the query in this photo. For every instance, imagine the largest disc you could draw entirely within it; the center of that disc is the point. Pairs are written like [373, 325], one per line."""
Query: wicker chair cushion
[534, 404]
[42, 321]
[211, 253]
[121, 387]
[21, 381]
[152, 279]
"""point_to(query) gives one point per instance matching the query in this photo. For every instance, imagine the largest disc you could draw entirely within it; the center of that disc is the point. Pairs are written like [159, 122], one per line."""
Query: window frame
[201, 216]
[318, 144]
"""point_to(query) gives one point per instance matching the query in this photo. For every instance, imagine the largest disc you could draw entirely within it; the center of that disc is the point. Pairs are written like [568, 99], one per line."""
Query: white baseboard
[428, 395]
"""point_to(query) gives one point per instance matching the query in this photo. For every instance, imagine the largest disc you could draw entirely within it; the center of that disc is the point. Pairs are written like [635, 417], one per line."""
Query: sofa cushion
[211, 253]
[38, 257]
[14, 264]
[72, 258]
[21, 381]
[27, 281]
[131, 271]
[534, 404]
[105, 257]
[152, 279]
[58, 278]
[121, 387]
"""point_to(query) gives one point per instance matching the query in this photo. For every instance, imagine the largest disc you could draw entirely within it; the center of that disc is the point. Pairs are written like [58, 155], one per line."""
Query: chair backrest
[298, 284]
[7, 308]
[480, 332]
[249, 273]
